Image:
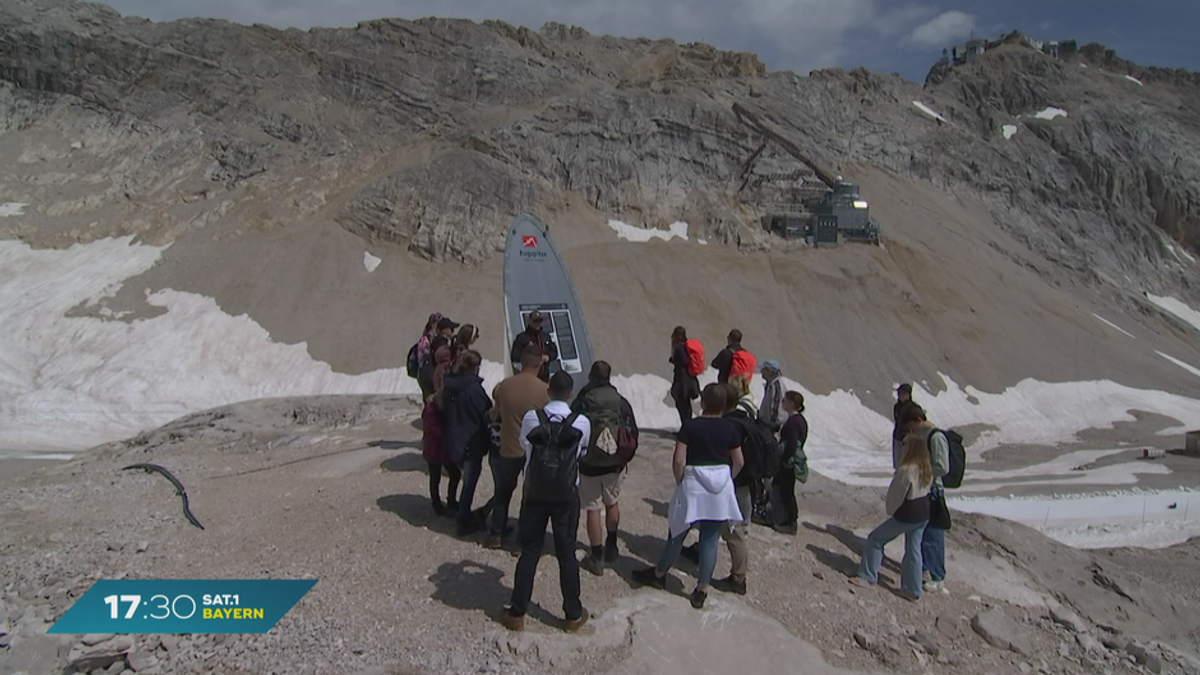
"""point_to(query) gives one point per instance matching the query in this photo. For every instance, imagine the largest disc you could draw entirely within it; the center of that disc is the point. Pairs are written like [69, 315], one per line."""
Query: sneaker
[730, 584]
[648, 576]
[926, 576]
[573, 625]
[692, 553]
[698, 598]
[934, 586]
[592, 564]
[514, 622]
[493, 542]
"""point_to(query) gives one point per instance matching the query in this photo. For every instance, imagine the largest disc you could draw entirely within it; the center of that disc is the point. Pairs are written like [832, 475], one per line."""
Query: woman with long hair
[708, 455]
[795, 463]
[908, 503]
[433, 434]
[467, 336]
[685, 388]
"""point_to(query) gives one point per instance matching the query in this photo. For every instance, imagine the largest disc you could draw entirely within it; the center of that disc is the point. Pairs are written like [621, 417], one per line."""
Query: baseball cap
[905, 388]
[771, 364]
[536, 316]
[445, 323]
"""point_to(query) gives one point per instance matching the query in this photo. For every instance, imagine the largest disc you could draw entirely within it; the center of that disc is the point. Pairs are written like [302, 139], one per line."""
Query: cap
[445, 323]
[536, 316]
[905, 388]
[434, 318]
[771, 364]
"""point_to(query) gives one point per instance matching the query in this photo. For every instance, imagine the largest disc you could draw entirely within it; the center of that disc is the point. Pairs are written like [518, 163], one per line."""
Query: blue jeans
[910, 568]
[505, 472]
[563, 518]
[933, 552]
[710, 536]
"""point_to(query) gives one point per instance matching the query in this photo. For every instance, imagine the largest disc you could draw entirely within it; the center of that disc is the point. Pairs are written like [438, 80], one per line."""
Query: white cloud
[942, 29]
[795, 34]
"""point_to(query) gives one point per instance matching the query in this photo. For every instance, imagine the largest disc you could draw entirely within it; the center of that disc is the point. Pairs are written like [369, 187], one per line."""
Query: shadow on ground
[395, 445]
[405, 461]
[476, 586]
[418, 512]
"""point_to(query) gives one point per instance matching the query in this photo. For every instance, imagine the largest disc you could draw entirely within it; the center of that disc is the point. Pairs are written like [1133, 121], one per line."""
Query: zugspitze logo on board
[529, 241]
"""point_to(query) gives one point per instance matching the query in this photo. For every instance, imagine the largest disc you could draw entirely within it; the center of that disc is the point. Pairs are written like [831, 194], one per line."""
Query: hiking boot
[610, 552]
[698, 598]
[514, 622]
[593, 564]
[730, 584]
[648, 576]
[493, 542]
[573, 625]
[691, 553]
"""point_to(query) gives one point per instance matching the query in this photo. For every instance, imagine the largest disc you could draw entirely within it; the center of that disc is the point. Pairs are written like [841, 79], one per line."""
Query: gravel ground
[333, 488]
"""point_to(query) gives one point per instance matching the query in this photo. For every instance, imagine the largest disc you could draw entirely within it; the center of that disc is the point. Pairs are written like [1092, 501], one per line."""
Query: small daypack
[743, 364]
[627, 433]
[695, 352]
[413, 365]
[553, 468]
[958, 457]
[760, 449]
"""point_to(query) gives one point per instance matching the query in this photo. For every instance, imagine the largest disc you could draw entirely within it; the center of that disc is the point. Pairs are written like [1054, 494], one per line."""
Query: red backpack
[695, 352]
[743, 364]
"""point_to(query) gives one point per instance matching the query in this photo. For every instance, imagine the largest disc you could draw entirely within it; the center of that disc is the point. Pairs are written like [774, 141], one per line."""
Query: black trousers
[531, 532]
[785, 482]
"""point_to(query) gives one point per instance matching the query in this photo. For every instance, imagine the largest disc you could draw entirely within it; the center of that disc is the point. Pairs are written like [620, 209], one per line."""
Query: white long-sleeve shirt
[557, 411]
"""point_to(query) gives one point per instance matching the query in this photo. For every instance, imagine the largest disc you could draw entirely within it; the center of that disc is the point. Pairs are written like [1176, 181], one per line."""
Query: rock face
[433, 134]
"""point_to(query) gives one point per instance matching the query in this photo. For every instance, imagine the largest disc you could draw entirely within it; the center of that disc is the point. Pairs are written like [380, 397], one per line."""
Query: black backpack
[760, 449]
[553, 465]
[414, 366]
[958, 457]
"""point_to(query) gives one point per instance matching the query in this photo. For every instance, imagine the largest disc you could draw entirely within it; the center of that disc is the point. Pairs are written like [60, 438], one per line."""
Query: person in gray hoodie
[770, 410]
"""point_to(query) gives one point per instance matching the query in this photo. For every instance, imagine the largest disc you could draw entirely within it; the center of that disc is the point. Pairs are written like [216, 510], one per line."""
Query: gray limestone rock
[999, 630]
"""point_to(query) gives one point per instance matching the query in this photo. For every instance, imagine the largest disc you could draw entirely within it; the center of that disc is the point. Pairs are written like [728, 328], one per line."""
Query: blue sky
[882, 35]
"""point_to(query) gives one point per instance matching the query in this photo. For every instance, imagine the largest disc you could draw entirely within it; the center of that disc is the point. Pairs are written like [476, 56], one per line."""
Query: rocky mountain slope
[263, 154]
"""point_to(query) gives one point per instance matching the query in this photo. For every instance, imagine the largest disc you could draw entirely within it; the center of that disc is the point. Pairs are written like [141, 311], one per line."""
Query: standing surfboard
[536, 279]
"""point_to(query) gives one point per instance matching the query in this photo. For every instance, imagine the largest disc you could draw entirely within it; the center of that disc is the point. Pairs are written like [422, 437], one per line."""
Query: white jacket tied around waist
[706, 493]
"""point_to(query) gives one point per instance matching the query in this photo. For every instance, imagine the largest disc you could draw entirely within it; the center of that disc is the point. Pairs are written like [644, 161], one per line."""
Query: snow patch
[370, 262]
[702, 242]
[1178, 308]
[1133, 518]
[1009, 130]
[1190, 368]
[1182, 251]
[73, 382]
[1134, 79]
[12, 209]
[631, 233]
[925, 109]
[1051, 113]
[77, 145]
[1113, 325]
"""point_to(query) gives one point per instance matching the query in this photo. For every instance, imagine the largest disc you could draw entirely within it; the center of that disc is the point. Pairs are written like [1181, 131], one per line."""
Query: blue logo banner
[182, 606]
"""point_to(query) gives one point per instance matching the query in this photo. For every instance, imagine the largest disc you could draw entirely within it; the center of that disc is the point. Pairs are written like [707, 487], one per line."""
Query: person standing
[708, 455]
[514, 396]
[433, 438]
[466, 405]
[770, 411]
[903, 401]
[685, 387]
[602, 468]
[535, 334]
[554, 438]
[424, 353]
[795, 462]
[733, 359]
[933, 539]
[908, 505]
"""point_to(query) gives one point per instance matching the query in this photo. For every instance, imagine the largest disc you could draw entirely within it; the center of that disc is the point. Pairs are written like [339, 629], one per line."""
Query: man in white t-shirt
[550, 496]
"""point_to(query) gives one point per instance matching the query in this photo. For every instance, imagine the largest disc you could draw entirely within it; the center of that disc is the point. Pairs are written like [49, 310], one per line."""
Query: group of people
[575, 447]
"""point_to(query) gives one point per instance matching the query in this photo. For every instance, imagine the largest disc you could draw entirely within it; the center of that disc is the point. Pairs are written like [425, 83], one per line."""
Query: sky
[904, 36]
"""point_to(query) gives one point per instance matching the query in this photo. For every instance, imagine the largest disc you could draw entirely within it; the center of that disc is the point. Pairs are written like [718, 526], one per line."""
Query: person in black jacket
[535, 334]
[724, 360]
[467, 436]
[795, 462]
[903, 403]
[685, 387]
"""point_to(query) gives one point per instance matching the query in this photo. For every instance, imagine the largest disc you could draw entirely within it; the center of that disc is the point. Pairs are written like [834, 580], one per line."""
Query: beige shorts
[596, 492]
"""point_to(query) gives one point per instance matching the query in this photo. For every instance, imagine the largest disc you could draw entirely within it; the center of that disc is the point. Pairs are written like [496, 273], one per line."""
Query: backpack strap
[543, 418]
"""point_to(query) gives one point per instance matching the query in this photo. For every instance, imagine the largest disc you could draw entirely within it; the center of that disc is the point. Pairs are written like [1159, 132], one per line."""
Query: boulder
[85, 657]
[999, 630]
